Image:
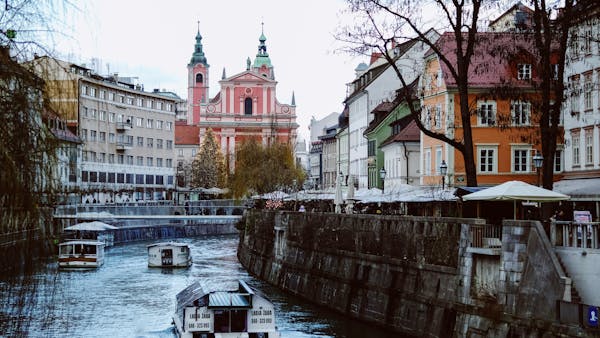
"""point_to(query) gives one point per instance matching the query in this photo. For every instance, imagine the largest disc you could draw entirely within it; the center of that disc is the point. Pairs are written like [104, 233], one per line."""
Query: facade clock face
[210, 108]
[285, 109]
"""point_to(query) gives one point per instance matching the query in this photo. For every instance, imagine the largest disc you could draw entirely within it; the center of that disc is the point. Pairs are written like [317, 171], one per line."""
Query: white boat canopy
[91, 226]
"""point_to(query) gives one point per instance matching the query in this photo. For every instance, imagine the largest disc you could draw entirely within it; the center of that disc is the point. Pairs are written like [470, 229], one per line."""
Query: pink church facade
[246, 106]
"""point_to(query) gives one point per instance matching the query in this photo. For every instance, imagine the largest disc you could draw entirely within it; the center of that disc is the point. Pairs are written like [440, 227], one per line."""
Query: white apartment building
[581, 111]
[127, 133]
[317, 129]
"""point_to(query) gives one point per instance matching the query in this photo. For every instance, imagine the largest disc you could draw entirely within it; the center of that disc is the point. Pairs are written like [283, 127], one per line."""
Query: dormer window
[524, 71]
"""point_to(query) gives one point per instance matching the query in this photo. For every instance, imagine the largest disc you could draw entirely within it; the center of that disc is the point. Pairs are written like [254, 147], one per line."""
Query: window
[558, 160]
[93, 137]
[93, 113]
[487, 159]
[371, 148]
[427, 162]
[103, 137]
[84, 90]
[130, 101]
[199, 78]
[102, 158]
[587, 41]
[121, 160]
[170, 144]
[169, 126]
[119, 117]
[130, 160]
[121, 99]
[573, 92]
[102, 94]
[149, 179]
[140, 160]
[149, 161]
[111, 117]
[93, 176]
[589, 147]
[92, 92]
[111, 158]
[438, 116]
[149, 123]
[140, 102]
[524, 71]
[520, 112]
[102, 116]
[111, 177]
[150, 142]
[427, 117]
[248, 106]
[140, 141]
[588, 88]
[193, 152]
[169, 163]
[160, 180]
[111, 138]
[111, 96]
[487, 113]
[520, 159]
[139, 121]
[159, 124]
[83, 134]
[139, 179]
[159, 162]
[149, 104]
[85, 112]
[575, 141]
[159, 143]
[159, 105]
[120, 178]
[180, 152]
[438, 159]
[169, 107]
[93, 157]
[439, 77]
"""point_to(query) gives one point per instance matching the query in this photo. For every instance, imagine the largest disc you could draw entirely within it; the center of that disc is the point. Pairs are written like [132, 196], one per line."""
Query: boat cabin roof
[167, 244]
[194, 295]
[82, 241]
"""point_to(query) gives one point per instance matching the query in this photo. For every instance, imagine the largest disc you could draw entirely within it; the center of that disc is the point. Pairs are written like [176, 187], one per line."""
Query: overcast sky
[155, 40]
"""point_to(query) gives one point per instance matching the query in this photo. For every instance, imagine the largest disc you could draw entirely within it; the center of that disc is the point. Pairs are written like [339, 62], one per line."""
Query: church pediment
[247, 76]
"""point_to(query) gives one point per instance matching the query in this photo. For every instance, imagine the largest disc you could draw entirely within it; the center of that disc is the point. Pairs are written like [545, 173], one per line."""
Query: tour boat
[80, 253]
[224, 314]
[169, 255]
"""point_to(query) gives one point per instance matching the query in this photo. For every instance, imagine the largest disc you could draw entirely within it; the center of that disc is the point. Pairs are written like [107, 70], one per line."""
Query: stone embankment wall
[414, 275]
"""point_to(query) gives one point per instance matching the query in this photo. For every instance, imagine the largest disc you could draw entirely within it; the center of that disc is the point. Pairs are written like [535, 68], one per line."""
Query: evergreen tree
[208, 167]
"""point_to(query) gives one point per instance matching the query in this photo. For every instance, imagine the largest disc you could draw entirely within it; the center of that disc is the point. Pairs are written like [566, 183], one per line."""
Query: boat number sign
[261, 316]
[198, 320]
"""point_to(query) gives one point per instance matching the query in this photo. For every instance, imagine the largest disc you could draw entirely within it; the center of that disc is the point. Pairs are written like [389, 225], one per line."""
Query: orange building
[503, 100]
[246, 106]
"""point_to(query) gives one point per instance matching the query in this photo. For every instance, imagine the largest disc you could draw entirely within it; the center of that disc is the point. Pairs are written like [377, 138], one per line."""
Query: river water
[125, 298]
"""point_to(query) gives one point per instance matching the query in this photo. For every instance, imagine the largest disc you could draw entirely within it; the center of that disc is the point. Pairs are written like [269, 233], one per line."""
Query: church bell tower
[197, 81]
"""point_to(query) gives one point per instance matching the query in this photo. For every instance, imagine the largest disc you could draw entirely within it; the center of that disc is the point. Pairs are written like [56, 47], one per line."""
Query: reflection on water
[125, 298]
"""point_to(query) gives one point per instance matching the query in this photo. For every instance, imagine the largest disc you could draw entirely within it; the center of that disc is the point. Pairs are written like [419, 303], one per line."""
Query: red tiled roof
[494, 60]
[187, 134]
[410, 133]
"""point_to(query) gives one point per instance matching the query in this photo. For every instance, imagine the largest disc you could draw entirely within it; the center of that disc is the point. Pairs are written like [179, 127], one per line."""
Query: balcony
[122, 146]
[123, 126]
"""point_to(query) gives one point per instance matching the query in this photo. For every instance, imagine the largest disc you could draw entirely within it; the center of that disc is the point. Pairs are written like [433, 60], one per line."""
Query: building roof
[494, 54]
[385, 108]
[187, 134]
[410, 133]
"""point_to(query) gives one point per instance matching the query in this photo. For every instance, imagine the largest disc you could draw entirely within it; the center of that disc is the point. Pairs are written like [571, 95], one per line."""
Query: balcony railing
[121, 146]
[122, 126]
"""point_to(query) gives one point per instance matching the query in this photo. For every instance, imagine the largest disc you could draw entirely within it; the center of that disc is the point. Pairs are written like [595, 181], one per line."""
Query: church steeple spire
[198, 55]
[262, 57]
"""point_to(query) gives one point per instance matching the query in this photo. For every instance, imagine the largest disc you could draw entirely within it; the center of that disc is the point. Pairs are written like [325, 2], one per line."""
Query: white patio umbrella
[515, 191]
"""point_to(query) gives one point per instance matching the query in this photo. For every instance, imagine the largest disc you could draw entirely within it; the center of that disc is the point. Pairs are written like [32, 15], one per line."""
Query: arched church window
[199, 78]
[248, 106]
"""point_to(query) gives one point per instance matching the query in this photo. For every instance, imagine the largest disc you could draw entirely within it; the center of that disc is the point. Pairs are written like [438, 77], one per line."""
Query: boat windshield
[66, 249]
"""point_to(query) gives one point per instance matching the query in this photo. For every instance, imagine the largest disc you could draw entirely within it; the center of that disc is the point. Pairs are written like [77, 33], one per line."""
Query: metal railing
[575, 234]
[488, 236]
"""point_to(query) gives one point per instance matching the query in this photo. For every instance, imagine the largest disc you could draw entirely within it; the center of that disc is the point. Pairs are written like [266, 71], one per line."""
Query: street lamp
[382, 174]
[538, 161]
[443, 171]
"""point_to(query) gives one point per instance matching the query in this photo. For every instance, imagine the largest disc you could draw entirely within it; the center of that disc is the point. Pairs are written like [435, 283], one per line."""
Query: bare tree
[381, 24]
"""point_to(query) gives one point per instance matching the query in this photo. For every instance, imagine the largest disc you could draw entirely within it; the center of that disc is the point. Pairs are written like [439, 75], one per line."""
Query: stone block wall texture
[405, 273]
